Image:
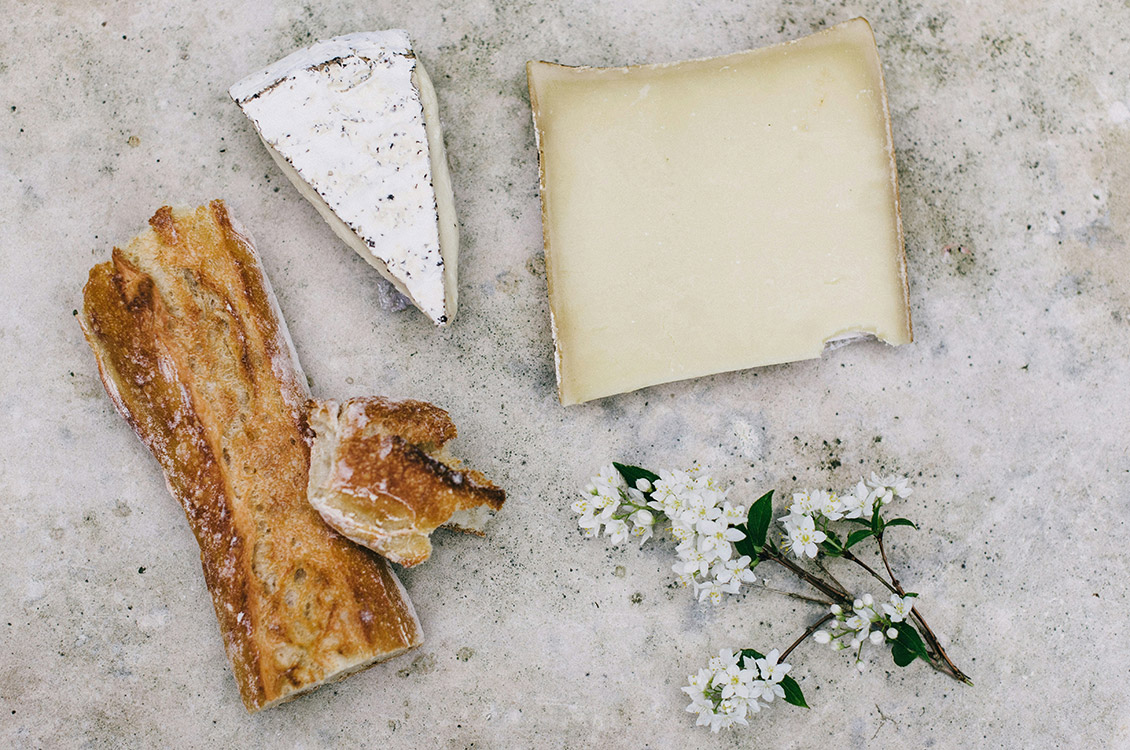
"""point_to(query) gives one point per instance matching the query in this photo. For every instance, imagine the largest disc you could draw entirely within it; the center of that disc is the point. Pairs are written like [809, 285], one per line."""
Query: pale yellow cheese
[718, 214]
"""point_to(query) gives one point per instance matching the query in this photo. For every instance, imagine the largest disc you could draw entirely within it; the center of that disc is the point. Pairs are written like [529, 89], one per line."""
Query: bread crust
[196, 357]
[379, 475]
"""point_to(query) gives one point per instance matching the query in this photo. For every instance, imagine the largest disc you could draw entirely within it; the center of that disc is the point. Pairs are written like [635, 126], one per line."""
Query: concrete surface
[1012, 124]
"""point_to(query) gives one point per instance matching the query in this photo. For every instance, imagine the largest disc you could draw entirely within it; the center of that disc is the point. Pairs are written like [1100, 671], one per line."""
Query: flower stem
[931, 640]
[831, 577]
[849, 556]
[811, 629]
[795, 595]
[815, 582]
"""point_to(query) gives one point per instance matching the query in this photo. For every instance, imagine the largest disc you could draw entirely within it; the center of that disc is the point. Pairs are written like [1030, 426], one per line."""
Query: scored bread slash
[353, 122]
[379, 474]
[196, 357]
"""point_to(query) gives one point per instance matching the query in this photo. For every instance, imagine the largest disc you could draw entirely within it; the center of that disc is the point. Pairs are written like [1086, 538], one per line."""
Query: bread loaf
[195, 355]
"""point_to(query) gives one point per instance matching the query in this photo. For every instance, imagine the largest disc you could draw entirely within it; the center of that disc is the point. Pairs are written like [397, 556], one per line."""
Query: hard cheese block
[719, 214]
[353, 121]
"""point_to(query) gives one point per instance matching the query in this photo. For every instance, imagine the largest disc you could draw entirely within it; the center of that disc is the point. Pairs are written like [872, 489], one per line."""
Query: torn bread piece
[353, 121]
[379, 474]
[195, 355]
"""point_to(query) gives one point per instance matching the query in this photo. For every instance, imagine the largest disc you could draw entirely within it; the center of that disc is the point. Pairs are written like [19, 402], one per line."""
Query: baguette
[379, 474]
[195, 355]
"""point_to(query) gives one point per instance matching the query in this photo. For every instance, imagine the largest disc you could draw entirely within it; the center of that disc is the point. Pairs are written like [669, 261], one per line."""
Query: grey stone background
[1012, 125]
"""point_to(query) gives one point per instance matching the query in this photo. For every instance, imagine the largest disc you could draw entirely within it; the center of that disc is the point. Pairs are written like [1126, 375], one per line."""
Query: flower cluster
[729, 688]
[812, 509]
[701, 520]
[864, 623]
[719, 544]
[703, 523]
[608, 501]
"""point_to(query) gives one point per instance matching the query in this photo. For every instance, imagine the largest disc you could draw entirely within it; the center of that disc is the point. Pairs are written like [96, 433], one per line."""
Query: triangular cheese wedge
[353, 121]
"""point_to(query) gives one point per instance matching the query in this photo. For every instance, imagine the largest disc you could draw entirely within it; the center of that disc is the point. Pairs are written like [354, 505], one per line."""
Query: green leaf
[860, 521]
[901, 522]
[760, 516]
[909, 639]
[858, 536]
[745, 547]
[902, 656]
[793, 694]
[632, 473]
[749, 653]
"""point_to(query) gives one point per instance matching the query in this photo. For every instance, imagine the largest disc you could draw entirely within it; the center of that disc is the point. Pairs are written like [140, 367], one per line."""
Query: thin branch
[795, 595]
[931, 640]
[815, 582]
[811, 629]
[849, 556]
[831, 577]
[883, 554]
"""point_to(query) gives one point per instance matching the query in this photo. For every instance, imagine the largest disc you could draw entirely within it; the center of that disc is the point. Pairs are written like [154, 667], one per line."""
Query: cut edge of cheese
[538, 69]
[395, 42]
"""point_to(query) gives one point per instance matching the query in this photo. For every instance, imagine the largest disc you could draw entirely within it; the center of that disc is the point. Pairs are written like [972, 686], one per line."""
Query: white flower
[899, 608]
[583, 505]
[736, 682]
[716, 537]
[643, 518]
[735, 571]
[643, 485]
[771, 674]
[709, 589]
[826, 504]
[876, 637]
[618, 529]
[823, 637]
[732, 515]
[889, 487]
[590, 523]
[802, 505]
[725, 659]
[803, 537]
[859, 503]
[699, 683]
[892, 633]
[691, 561]
[609, 478]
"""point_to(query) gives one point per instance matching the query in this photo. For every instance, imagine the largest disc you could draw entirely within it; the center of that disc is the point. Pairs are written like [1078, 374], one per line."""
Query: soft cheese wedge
[353, 121]
[718, 214]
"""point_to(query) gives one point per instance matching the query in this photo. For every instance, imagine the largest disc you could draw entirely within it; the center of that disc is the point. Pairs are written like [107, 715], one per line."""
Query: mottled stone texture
[1012, 124]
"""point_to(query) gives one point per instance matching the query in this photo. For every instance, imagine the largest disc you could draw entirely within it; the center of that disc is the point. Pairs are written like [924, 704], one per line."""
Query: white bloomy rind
[353, 121]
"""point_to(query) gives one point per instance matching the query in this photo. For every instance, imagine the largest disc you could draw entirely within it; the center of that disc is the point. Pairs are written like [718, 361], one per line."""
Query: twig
[931, 639]
[811, 629]
[795, 595]
[849, 556]
[832, 578]
[887, 565]
[815, 582]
